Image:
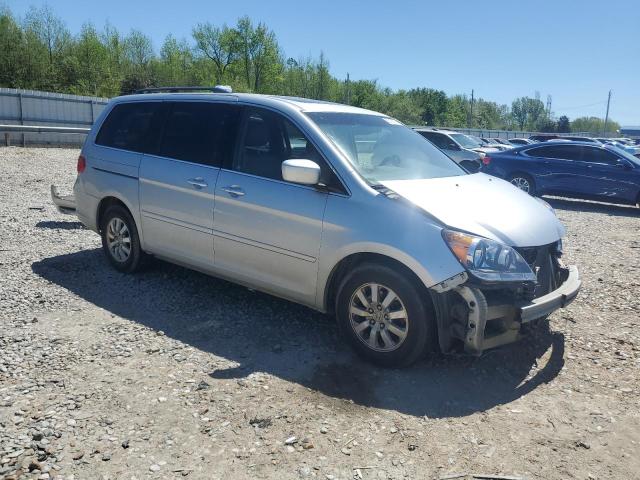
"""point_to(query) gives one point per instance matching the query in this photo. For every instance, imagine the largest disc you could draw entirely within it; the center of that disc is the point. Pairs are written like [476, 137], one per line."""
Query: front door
[267, 231]
[606, 176]
[177, 185]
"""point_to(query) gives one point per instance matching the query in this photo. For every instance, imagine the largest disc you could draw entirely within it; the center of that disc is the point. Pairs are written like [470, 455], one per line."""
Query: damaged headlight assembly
[487, 259]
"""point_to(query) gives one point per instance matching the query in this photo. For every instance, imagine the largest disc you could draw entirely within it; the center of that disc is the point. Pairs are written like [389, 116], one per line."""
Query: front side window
[200, 132]
[268, 140]
[465, 141]
[599, 155]
[381, 148]
[133, 126]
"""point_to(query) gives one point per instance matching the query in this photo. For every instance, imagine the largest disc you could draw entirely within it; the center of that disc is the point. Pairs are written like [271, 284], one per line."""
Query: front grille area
[544, 261]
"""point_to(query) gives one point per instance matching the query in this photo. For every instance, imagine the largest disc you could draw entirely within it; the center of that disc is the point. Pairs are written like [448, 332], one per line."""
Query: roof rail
[216, 89]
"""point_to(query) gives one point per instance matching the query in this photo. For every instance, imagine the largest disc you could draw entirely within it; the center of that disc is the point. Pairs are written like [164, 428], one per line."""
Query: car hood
[483, 205]
[485, 149]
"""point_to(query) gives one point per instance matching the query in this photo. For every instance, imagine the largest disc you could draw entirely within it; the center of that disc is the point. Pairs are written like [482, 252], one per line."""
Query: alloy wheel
[522, 183]
[378, 317]
[118, 240]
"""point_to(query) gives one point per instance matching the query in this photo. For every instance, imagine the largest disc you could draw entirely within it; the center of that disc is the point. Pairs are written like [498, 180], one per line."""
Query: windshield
[465, 141]
[382, 149]
[625, 154]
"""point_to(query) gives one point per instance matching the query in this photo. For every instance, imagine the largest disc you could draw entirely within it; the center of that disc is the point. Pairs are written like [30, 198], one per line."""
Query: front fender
[408, 236]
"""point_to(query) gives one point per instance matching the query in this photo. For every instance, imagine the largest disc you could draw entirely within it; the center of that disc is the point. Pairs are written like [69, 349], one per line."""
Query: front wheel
[384, 317]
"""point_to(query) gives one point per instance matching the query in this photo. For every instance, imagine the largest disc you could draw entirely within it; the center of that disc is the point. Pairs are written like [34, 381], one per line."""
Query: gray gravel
[172, 374]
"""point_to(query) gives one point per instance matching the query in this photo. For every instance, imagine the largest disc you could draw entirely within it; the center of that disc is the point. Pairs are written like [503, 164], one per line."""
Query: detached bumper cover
[64, 203]
[559, 298]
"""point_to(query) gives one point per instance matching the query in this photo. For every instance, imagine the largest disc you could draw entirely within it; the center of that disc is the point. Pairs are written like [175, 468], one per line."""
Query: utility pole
[606, 118]
[548, 106]
[348, 91]
[470, 122]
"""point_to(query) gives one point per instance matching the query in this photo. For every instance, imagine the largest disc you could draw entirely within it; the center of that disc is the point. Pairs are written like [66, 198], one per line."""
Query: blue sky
[573, 50]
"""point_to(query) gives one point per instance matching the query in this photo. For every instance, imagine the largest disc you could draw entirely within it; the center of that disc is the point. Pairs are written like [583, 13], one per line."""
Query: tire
[407, 338]
[118, 231]
[519, 180]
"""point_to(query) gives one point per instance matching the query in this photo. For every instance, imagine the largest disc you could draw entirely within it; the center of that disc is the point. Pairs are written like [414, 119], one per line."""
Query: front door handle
[198, 182]
[233, 190]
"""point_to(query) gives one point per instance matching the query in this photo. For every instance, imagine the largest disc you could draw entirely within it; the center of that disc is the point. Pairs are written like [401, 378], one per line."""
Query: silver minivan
[341, 209]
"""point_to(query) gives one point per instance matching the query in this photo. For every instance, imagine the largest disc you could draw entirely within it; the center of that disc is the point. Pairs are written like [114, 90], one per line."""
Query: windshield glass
[381, 148]
[625, 154]
[465, 141]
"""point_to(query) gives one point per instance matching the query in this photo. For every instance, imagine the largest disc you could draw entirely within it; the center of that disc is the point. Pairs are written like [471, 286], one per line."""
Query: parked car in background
[492, 143]
[572, 169]
[542, 137]
[341, 209]
[458, 146]
[572, 138]
[516, 142]
[626, 146]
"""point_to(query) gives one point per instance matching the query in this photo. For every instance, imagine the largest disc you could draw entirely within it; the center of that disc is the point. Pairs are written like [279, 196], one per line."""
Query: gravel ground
[171, 374]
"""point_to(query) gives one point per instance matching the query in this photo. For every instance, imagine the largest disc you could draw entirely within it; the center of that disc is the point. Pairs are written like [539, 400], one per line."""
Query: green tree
[138, 55]
[259, 55]
[221, 45]
[456, 115]
[175, 65]
[593, 125]
[432, 103]
[12, 49]
[563, 124]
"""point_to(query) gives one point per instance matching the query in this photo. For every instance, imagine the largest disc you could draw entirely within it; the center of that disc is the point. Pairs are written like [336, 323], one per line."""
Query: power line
[583, 106]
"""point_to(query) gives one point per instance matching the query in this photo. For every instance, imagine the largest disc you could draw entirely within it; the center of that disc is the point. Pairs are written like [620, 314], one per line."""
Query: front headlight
[487, 259]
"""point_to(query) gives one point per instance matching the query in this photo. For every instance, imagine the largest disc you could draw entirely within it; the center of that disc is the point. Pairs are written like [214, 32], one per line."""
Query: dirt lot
[172, 374]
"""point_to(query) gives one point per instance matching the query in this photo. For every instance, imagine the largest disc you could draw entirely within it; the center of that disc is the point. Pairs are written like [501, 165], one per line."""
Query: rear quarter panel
[505, 164]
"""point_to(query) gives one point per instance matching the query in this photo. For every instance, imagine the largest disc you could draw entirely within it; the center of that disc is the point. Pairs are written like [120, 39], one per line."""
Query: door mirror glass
[453, 146]
[303, 172]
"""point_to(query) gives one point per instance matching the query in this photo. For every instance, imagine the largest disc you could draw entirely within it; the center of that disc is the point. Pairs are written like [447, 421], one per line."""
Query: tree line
[39, 52]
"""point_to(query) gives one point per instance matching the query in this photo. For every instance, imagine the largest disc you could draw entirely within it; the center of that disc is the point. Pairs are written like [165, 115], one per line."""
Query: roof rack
[216, 89]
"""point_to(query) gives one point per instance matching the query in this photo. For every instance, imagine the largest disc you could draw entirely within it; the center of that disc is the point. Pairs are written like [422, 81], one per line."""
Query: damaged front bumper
[64, 203]
[483, 318]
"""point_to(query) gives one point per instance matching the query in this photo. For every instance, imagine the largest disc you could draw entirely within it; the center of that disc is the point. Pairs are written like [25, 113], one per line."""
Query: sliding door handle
[198, 182]
[233, 190]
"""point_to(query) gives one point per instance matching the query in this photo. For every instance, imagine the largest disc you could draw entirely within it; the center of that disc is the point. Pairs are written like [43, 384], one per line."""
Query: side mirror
[624, 165]
[453, 146]
[304, 172]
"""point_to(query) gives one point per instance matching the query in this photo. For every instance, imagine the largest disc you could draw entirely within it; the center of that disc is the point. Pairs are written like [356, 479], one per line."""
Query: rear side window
[564, 152]
[133, 126]
[200, 132]
[438, 140]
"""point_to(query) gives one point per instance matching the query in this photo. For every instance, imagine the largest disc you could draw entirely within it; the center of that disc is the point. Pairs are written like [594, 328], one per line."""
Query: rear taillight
[82, 164]
[486, 160]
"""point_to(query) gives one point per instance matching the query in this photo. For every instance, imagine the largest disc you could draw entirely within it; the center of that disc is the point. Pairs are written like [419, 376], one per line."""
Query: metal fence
[486, 133]
[29, 107]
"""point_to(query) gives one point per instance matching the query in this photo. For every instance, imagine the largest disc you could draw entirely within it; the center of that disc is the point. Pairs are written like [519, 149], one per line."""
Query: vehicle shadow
[263, 333]
[57, 225]
[594, 207]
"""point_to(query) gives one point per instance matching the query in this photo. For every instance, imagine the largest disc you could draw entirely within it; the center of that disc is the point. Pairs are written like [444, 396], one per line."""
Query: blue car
[570, 169]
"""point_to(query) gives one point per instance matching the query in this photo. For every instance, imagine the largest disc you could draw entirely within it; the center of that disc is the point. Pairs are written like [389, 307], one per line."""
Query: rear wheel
[120, 240]
[383, 316]
[523, 182]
